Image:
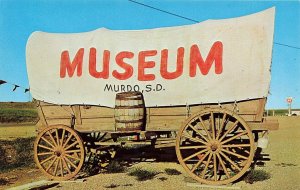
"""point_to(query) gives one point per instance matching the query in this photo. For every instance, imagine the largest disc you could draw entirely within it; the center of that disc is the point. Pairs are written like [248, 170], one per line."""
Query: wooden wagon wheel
[98, 156]
[59, 152]
[215, 146]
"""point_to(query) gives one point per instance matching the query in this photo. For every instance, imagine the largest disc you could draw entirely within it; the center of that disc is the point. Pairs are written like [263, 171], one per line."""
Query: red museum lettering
[144, 64]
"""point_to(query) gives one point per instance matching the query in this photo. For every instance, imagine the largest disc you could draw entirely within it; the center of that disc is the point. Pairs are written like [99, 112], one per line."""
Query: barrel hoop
[131, 129]
[128, 98]
[130, 107]
[128, 94]
[129, 121]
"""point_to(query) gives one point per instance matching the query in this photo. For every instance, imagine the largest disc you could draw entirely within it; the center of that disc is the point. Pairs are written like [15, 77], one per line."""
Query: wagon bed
[86, 118]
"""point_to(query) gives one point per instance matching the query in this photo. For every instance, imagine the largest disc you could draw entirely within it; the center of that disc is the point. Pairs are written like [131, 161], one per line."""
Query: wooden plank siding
[96, 118]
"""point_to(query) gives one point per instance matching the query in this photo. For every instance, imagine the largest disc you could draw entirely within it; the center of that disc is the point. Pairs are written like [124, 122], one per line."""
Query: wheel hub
[58, 153]
[214, 146]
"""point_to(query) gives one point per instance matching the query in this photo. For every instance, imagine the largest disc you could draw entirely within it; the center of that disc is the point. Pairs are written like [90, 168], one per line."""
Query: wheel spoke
[222, 125]
[52, 138]
[223, 166]
[61, 167]
[234, 137]
[72, 164]
[44, 139]
[56, 167]
[199, 162]
[72, 151]
[230, 161]
[66, 165]
[193, 139]
[206, 165]
[192, 147]
[69, 138]
[75, 158]
[235, 145]
[192, 127]
[62, 137]
[234, 154]
[230, 129]
[47, 159]
[51, 164]
[212, 125]
[215, 166]
[44, 153]
[76, 153]
[45, 147]
[204, 127]
[74, 143]
[195, 154]
[97, 135]
[57, 137]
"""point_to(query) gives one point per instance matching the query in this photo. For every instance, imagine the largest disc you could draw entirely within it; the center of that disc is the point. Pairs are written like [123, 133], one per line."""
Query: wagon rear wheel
[215, 146]
[59, 152]
[97, 155]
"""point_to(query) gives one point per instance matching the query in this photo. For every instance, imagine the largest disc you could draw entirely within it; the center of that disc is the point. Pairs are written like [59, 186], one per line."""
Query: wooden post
[290, 107]
[260, 109]
[77, 113]
[41, 114]
[148, 115]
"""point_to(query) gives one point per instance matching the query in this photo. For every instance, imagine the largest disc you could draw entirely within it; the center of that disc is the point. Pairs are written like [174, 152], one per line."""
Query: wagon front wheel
[59, 152]
[215, 146]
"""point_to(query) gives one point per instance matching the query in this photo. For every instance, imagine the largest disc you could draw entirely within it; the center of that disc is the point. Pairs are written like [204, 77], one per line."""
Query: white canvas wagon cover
[208, 62]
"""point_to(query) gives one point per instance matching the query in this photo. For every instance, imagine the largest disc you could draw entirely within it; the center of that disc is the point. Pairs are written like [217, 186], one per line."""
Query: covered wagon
[201, 88]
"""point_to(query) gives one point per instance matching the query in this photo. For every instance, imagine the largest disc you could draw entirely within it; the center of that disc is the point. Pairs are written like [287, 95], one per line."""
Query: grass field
[18, 112]
[277, 112]
[17, 120]
[17, 105]
[17, 131]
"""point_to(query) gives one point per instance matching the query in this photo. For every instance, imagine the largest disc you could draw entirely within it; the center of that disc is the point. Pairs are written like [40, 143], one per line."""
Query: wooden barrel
[129, 111]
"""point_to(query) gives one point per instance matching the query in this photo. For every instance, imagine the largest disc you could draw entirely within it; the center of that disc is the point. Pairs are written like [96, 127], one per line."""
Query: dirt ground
[284, 167]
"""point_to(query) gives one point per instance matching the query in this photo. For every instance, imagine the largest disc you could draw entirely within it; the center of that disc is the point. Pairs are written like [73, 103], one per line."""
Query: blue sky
[19, 18]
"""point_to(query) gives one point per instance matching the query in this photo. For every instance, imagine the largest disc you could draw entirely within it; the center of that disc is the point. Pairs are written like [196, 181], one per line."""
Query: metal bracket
[187, 111]
[72, 122]
[219, 104]
[235, 107]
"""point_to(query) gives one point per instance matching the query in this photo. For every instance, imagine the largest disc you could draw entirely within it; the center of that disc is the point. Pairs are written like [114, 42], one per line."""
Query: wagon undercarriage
[214, 144]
